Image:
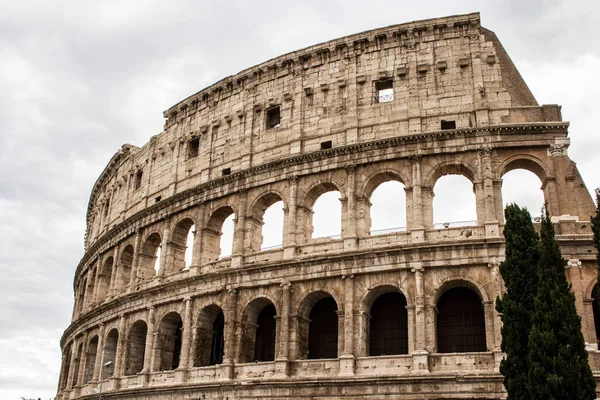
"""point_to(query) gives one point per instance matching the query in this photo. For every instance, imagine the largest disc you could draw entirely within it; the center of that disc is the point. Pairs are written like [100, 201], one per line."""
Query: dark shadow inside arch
[388, 327]
[323, 329]
[210, 345]
[110, 353]
[259, 328]
[90, 360]
[168, 343]
[460, 322]
[136, 346]
[596, 311]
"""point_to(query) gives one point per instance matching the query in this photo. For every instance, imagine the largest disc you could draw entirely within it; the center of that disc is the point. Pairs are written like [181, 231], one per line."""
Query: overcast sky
[79, 79]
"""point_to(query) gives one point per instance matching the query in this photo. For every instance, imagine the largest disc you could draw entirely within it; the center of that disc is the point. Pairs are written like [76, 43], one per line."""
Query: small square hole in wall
[448, 124]
[226, 171]
[273, 118]
[326, 145]
[157, 199]
[193, 147]
[138, 180]
[384, 91]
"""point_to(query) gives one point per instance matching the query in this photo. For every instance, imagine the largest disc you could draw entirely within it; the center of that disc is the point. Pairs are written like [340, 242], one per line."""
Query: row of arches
[265, 228]
[316, 331]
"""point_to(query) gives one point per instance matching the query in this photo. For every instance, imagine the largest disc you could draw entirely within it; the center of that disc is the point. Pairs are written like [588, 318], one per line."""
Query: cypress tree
[558, 360]
[519, 271]
[596, 229]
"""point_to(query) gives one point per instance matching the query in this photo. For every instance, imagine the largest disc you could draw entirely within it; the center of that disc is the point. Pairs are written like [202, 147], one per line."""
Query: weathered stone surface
[291, 129]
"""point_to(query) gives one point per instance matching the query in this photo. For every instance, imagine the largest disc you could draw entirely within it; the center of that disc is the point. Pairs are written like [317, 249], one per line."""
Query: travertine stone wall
[459, 106]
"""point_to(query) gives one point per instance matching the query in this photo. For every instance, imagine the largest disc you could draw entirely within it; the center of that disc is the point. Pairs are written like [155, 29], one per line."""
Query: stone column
[289, 237]
[349, 218]
[347, 361]
[420, 353]
[96, 294]
[239, 232]
[186, 335]
[488, 310]
[99, 354]
[136, 258]
[197, 251]
[557, 156]
[165, 248]
[71, 371]
[150, 334]
[492, 227]
[417, 229]
[120, 352]
[281, 362]
[115, 274]
[230, 357]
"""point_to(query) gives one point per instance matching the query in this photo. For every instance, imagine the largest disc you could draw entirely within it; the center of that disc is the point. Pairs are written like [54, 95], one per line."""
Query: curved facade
[400, 314]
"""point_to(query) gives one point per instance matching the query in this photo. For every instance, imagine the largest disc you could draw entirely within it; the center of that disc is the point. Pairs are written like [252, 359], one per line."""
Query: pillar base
[228, 371]
[420, 362]
[180, 375]
[289, 252]
[417, 235]
[498, 356]
[351, 243]
[144, 378]
[347, 365]
[492, 229]
[237, 261]
[282, 368]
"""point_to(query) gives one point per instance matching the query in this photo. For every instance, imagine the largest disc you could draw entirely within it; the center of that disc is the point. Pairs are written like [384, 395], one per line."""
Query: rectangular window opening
[193, 147]
[138, 180]
[385, 91]
[226, 171]
[273, 118]
[326, 145]
[448, 124]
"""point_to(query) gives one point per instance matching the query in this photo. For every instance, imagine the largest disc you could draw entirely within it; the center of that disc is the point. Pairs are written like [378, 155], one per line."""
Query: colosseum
[406, 313]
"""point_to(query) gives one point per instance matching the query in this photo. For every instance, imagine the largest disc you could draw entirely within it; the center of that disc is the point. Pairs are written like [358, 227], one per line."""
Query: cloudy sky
[79, 79]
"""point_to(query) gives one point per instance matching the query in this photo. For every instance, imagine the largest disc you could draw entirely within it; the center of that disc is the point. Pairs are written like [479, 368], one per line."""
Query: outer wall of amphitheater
[405, 315]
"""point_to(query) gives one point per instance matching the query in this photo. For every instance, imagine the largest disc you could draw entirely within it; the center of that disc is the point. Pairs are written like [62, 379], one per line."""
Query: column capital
[348, 276]
[485, 151]
[573, 263]
[285, 285]
[415, 159]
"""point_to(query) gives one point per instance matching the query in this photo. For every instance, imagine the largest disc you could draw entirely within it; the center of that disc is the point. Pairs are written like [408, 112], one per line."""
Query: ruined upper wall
[444, 69]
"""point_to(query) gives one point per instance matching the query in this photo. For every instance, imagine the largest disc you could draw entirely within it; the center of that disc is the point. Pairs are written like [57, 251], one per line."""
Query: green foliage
[558, 360]
[519, 271]
[596, 229]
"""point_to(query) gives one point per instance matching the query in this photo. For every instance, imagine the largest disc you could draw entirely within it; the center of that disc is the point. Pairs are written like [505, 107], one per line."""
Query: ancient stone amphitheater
[407, 314]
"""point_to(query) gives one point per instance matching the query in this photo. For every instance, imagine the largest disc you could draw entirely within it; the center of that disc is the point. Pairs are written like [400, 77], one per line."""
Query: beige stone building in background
[404, 314]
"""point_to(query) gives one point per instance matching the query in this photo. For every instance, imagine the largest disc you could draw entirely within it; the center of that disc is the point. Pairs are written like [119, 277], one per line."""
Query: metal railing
[454, 224]
[385, 98]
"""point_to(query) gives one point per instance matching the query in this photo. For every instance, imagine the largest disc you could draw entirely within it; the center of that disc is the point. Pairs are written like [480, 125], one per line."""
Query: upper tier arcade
[310, 319]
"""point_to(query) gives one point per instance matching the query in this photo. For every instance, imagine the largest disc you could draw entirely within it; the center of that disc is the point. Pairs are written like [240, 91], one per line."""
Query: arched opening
[126, 264]
[136, 346]
[388, 208]
[265, 226]
[259, 328]
[388, 327]
[76, 365]
[323, 329]
[66, 364]
[90, 360]
[110, 353]
[264, 346]
[104, 279]
[524, 188]
[149, 257]
[168, 343]
[454, 204]
[217, 237]
[327, 216]
[595, 305]
[460, 322]
[210, 342]
[181, 246]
